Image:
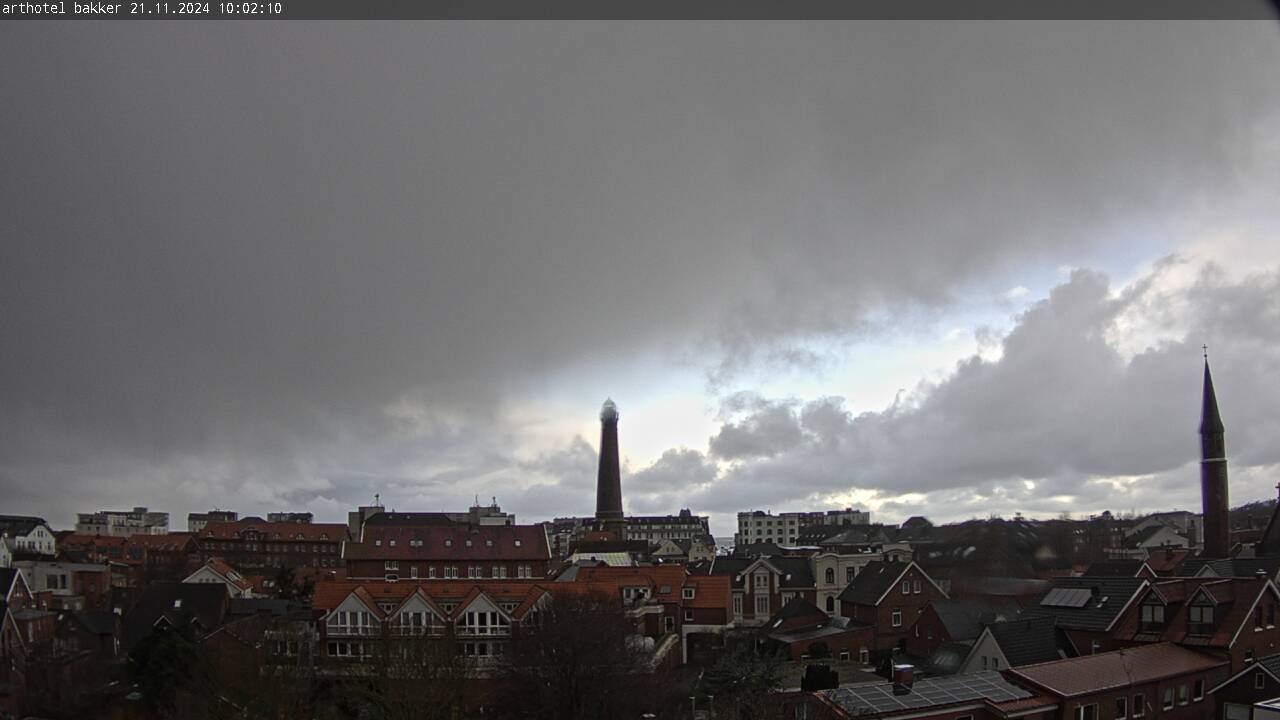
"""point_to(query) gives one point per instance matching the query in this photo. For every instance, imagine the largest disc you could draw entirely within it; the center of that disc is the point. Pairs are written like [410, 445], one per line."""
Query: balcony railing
[353, 630]
[484, 631]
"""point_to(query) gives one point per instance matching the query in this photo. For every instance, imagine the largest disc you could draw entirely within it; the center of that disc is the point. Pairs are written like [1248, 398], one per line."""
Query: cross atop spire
[1206, 351]
[1210, 420]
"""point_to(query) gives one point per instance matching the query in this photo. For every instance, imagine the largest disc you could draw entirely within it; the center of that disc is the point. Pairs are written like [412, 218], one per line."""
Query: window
[984, 663]
[1248, 655]
[906, 587]
[849, 572]
[687, 593]
[830, 575]
[831, 603]
[1183, 695]
[669, 623]
[1087, 712]
[864, 656]
[737, 605]
[844, 655]
[1259, 681]
[1168, 698]
[1152, 619]
[915, 586]
[895, 618]
[1139, 705]
[688, 616]
[1095, 647]
[391, 565]
[1200, 619]
[1197, 690]
[1122, 708]
[762, 605]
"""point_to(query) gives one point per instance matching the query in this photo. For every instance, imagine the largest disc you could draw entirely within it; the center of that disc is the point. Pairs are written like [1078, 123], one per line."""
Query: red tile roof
[169, 541]
[1090, 674]
[221, 567]
[330, 594]
[713, 591]
[451, 542]
[313, 532]
[75, 540]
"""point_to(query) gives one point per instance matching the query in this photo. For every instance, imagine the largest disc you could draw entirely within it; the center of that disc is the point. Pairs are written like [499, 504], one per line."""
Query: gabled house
[955, 621]
[200, 606]
[802, 631]
[762, 586]
[25, 535]
[1233, 616]
[1015, 643]
[216, 571]
[1256, 682]
[891, 596]
[1088, 610]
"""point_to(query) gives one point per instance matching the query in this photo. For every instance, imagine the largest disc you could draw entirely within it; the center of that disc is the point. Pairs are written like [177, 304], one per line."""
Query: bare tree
[579, 658]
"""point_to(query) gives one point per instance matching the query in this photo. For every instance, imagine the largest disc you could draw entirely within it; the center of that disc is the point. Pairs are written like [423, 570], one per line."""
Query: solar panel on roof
[1067, 597]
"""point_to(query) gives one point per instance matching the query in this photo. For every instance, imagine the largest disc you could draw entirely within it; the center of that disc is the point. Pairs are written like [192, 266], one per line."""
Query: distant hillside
[1252, 515]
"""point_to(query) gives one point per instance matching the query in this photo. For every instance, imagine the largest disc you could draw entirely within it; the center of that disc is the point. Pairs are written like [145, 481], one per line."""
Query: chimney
[903, 677]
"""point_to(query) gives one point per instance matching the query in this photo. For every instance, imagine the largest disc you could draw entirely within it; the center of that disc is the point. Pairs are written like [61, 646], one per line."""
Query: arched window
[831, 603]
[831, 576]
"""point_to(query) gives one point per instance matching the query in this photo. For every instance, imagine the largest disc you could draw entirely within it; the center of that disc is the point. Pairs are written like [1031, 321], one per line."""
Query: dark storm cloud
[1061, 407]
[235, 258]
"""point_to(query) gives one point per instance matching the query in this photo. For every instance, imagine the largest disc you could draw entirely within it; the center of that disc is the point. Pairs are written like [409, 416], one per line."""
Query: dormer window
[1152, 616]
[1200, 618]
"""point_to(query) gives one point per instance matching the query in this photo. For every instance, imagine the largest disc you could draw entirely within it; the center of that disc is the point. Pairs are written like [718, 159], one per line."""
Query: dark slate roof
[179, 604]
[1119, 567]
[1111, 596]
[964, 619]
[947, 658]
[796, 607]
[639, 547]
[796, 571]
[1145, 534]
[8, 576]
[14, 525]
[1232, 567]
[870, 584]
[760, 549]
[1031, 640]
[815, 534]
[409, 518]
[98, 622]
[857, 535]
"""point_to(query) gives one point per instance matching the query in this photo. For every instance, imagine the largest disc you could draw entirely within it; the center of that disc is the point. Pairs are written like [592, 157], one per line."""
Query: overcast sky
[949, 269]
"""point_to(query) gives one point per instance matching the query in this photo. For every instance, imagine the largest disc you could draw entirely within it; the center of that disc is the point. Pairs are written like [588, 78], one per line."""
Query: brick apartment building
[449, 551]
[254, 545]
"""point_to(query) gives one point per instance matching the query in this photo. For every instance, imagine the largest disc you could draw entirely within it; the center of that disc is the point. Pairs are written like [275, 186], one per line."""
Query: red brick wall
[377, 568]
[927, 634]
[911, 604]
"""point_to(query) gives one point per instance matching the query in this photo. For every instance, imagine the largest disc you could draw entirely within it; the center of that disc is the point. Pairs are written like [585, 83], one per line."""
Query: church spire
[1213, 472]
[1210, 420]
